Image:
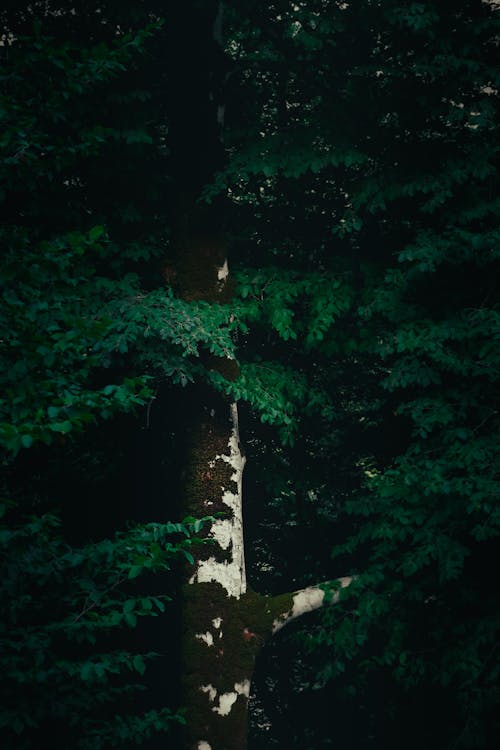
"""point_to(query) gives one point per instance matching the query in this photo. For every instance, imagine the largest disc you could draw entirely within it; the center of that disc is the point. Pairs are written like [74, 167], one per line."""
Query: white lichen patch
[243, 688]
[212, 692]
[307, 600]
[303, 601]
[228, 532]
[206, 638]
[226, 702]
[223, 271]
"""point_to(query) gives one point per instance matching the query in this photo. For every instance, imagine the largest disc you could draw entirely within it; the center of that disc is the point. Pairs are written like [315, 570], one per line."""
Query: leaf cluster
[61, 604]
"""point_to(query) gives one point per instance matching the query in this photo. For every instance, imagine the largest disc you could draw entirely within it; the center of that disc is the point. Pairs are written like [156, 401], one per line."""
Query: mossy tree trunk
[224, 623]
[218, 651]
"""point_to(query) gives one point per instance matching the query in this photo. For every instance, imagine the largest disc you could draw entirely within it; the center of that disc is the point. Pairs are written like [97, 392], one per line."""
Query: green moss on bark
[200, 248]
[229, 661]
[246, 624]
[207, 476]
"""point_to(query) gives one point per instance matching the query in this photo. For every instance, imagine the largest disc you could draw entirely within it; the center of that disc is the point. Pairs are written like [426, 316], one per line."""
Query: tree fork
[222, 638]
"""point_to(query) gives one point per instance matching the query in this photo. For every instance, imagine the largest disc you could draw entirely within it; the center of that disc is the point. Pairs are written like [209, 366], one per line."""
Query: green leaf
[87, 671]
[129, 606]
[139, 665]
[95, 233]
[63, 427]
[135, 571]
[130, 619]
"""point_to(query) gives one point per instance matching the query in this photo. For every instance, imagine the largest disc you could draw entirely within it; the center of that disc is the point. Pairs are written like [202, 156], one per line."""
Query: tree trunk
[217, 651]
[224, 623]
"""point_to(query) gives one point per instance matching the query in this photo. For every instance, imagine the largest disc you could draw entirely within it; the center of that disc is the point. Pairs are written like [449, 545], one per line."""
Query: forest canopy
[344, 157]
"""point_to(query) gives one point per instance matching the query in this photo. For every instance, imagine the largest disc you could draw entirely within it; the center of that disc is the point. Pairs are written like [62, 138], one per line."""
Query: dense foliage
[77, 238]
[372, 175]
[361, 206]
[60, 605]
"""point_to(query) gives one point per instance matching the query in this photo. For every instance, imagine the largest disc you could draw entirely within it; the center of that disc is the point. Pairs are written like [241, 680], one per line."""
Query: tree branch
[309, 599]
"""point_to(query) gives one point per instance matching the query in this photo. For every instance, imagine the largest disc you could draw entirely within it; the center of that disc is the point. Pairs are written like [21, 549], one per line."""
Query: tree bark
[224, 623]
